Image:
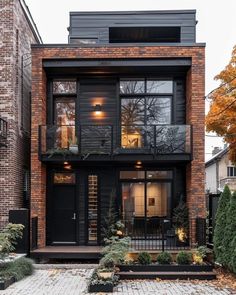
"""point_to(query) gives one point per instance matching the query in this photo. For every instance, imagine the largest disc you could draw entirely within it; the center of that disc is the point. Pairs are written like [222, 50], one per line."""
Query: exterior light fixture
[138, 165]
[97, 109]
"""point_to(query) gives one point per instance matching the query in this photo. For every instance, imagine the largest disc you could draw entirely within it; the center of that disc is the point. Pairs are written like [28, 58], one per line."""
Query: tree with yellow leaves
[221, 117]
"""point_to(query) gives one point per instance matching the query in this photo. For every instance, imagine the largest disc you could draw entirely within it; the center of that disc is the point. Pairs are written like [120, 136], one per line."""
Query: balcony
[84, 141]
[3, 132]
[230, 181]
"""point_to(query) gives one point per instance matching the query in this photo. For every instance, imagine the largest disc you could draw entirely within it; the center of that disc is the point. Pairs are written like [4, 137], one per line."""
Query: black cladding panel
[117, 27]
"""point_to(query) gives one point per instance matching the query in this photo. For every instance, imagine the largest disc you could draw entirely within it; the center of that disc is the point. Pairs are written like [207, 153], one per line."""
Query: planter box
[5, 283]
[108, 288]
[166, 268]
[166, 272]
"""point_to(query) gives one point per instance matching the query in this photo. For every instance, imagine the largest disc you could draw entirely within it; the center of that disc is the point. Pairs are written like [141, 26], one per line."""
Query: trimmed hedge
[164, 258]
[184, 258]
[220, 225]
[144, 258]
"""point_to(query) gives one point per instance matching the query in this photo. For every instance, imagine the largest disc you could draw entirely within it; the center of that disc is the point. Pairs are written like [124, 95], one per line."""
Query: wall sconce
[97, 109]
[138, 165]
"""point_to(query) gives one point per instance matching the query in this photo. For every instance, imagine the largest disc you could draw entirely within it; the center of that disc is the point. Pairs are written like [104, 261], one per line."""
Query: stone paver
[168, 288]
[73, 281]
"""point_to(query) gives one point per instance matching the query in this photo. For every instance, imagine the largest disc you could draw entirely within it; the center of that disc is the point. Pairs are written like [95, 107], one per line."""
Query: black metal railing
[3, 132]
[159, 233]
[109, 140]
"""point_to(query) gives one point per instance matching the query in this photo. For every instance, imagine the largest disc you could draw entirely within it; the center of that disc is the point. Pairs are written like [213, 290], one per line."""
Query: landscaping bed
[164, 267]
[6, 282]
[13, 267]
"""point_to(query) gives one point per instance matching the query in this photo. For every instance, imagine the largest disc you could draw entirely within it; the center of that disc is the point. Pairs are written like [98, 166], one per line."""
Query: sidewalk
[72, 280]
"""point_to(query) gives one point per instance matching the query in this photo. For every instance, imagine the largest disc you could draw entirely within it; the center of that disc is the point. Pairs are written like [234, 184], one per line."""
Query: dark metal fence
[164, 233]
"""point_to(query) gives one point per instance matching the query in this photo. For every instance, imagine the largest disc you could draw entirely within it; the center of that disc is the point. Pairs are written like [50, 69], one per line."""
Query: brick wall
[16, 38]
[195, 115]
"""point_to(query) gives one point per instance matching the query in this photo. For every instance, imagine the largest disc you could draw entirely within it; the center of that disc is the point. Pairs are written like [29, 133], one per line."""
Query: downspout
[217, 176]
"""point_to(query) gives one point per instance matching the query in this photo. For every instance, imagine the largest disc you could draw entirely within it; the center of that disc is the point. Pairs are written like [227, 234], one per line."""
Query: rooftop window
[144, 34]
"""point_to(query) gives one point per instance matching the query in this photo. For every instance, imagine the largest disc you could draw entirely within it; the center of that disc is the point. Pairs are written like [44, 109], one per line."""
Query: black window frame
[231, 169]
[146, 95]
[146, 180]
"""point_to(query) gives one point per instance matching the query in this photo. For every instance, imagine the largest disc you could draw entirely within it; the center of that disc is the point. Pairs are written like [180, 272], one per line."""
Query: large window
[64, 97]
[146, 197]
[144, 103]
[231, 171]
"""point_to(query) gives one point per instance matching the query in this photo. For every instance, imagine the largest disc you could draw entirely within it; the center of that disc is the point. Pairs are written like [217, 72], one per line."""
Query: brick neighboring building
[131, 100]
[17, 33]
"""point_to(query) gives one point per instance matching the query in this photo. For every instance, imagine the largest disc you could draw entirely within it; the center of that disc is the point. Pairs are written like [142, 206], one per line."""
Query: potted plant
[73, 145]
[105, 273]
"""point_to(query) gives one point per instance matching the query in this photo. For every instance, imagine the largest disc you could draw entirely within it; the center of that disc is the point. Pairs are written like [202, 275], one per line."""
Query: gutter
[31, 22]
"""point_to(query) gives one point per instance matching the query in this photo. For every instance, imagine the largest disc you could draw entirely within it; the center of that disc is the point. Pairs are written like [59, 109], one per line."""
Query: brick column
[38, 169]
[195, 170]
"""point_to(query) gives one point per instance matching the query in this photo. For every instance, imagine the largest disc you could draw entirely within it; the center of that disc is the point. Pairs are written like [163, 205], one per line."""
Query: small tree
[8, 238]
[180, 218]
[220, 224]
[232, 262]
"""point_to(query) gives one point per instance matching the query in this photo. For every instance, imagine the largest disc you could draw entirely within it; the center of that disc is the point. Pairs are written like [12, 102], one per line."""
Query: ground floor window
[146, 199]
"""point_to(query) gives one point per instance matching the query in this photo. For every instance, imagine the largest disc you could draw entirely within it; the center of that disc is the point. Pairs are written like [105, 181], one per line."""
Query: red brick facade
[16, 37]
[195, 114]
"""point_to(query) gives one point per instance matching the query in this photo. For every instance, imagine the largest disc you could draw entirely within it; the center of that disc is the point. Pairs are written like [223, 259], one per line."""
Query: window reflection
[132, 86]
[158, 110]
[64, 86]
[65, 120]
[158, 86]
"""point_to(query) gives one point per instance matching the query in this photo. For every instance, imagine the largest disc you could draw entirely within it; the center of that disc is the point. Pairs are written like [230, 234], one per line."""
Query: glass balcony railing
[106, 139]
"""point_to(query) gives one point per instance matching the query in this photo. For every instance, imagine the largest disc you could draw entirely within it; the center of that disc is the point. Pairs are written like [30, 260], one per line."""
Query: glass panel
[132, 111]
[64, 86]
[173, 139]
[92, 208]
[133, 207]
[132, 86]
[65, 120]
[65, 112]
[158, 196]
[155, 86]
[159, 174]
[158, 110]
[132, 137]
[68, 178]
[132, 174]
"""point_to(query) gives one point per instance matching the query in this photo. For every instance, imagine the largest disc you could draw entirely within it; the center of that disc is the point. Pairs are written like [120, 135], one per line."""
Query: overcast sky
[216, 26]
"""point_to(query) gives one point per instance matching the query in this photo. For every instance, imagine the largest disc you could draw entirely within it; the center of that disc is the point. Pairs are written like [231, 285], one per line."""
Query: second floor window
[64, 97]
[146, 102]
[231, 171]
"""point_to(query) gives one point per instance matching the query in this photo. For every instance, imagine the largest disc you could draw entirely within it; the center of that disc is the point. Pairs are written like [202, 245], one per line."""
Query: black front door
[64, 214]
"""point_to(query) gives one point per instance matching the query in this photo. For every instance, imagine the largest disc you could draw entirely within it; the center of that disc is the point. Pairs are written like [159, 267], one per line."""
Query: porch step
[167, 275]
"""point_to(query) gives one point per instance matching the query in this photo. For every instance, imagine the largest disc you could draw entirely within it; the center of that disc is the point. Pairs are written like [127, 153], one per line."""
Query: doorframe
[49, 205]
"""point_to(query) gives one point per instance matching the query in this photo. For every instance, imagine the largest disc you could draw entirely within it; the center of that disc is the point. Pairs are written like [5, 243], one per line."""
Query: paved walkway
[65, 281]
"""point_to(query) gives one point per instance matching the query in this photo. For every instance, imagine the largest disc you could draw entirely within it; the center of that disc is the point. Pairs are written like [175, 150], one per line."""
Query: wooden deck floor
[72, 252]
